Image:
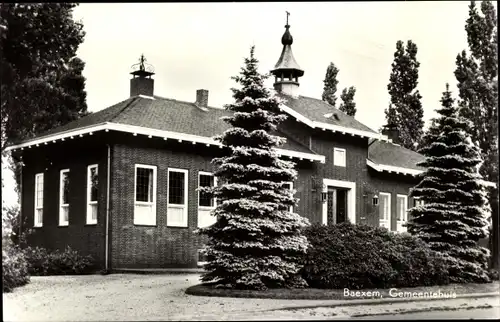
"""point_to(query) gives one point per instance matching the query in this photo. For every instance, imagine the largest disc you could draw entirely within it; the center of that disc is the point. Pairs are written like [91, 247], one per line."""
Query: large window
[92, 193]
[417, 202]
[206, 203]
[402, 214]
[339, 157]
[38, 200]
[177, 210]
[145, 195]
[385, 210]
[289, 185]
[64, 198]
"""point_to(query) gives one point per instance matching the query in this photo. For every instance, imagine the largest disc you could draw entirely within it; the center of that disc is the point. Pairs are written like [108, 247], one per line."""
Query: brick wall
[87, 239]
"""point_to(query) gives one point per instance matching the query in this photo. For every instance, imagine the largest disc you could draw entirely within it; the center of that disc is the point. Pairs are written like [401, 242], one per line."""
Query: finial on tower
[142, 68]
[287, 14]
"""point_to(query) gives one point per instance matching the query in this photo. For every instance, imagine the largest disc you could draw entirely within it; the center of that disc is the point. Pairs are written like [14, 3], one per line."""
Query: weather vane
[287, 14]
[143, 66]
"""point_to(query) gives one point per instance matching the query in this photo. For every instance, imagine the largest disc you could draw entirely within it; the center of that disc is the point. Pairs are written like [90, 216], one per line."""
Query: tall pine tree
[330, 85]
[256, 241]
[41, 80]
[453, 217]
[477, 76]
[348, 105]
[405, 111]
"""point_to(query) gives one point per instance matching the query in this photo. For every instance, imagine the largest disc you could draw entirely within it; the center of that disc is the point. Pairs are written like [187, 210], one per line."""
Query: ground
[162, 297]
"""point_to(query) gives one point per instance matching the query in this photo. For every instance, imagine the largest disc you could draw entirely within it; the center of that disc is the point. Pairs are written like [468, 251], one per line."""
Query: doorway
[336, 205]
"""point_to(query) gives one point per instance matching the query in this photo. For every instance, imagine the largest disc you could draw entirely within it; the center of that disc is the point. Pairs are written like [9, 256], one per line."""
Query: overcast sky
[201, 45]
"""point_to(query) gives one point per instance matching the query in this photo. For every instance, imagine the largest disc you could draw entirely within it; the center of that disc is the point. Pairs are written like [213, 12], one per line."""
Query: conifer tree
[453, 217]
[348, 105]
[405, 111]
[477, 76]
[256, 242]
[330, 85]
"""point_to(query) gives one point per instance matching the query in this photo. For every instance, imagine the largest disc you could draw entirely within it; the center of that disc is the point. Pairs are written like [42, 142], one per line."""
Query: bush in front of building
[361, 256]
[14, 266]
[68, 262]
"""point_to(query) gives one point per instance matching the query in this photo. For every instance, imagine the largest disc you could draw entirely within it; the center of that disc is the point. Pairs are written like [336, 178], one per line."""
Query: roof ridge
[186, 102]
[123, 109]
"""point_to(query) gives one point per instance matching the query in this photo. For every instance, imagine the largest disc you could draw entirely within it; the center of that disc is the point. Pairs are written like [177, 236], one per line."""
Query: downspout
[106, 251]
[21, 201]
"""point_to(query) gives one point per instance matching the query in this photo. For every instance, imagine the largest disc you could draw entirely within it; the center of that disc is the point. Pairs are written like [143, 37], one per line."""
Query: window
[205, 202]
[64, 198]
[385, 210]
[177, 211]
[289, 185]
[206, 180]
[417, 202]
[92, 193]
[339, 157]
[38, 200]
[145, 195]
[402, 215]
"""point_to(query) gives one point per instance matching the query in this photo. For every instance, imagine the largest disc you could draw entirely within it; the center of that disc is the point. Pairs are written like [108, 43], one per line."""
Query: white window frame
[291, 188]
[38, 220]
[399, 226]
[203, 209]
[341, 162]
[90, 203]
[386, 221]
[418, 201]
[61, 194]
[184, 207]
[137, 219]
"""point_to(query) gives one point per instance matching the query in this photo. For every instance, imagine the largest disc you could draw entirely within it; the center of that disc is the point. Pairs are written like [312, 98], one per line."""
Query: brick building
[121, 184]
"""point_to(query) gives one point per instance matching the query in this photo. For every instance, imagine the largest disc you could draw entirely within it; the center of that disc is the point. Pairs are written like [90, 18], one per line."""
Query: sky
[201, 45]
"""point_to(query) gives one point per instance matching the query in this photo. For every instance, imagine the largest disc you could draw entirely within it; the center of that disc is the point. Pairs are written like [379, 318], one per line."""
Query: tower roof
[287, 62]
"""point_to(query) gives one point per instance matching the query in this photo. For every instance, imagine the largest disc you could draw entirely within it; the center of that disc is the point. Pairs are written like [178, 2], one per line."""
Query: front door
[336, 205]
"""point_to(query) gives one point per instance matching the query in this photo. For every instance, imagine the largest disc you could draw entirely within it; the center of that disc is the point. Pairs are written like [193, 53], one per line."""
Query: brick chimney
[202, 98]
[141, 82]
[392, 132]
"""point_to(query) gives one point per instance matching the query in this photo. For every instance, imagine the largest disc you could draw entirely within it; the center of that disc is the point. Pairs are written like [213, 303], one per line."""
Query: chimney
[202, 98]
[392, 132]
[141, 83]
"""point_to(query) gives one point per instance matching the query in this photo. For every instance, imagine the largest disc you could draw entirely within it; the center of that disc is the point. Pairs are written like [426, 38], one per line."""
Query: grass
[208, 289]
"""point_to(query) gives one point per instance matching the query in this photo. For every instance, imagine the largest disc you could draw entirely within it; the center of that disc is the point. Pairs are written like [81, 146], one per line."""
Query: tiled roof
[381, 152]
[315, 110]
[165, 114]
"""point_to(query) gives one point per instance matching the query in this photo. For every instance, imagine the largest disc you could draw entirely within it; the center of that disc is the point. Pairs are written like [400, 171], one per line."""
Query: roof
[387, 153]
[164, 114]
[287, 61]
[316, 109]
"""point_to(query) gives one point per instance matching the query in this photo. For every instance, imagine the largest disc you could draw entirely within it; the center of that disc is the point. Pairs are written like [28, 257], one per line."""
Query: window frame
[204, 173]
[291, 188]
[62, 205]
[418, 202]
[90, 203]
[343, 160]
[387, 218]
[36, 218]
[185, 205]
[405, 214]
[153, 203]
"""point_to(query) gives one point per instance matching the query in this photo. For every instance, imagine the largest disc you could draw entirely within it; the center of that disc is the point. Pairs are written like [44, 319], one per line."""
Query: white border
[388, 220]
[89, 220]
[108, 126]
[61, 222]
[184, 207]
[405, 215]
[351, 198]
[35, 217]
[152, 203]
[343, 161]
